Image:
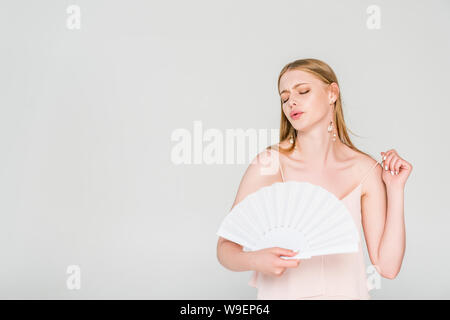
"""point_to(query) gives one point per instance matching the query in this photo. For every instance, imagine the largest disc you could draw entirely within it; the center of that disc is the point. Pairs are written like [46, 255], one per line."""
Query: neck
[316, 147]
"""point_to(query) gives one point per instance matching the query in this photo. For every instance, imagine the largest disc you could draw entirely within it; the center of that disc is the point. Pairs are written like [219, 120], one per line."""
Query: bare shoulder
[371, 172]
[365, 162]
[262, 171]
[358, 159]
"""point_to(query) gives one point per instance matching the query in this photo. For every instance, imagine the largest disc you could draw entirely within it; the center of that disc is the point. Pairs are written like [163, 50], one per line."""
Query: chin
[297, 126]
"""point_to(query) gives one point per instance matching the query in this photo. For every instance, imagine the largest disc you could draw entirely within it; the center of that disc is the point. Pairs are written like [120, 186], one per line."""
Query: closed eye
[299, 92]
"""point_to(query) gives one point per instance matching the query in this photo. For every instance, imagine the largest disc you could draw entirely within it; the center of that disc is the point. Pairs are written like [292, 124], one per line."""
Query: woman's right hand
[268, 260]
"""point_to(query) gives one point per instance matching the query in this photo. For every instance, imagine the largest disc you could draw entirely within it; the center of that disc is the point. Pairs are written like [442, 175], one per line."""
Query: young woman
[315, 147]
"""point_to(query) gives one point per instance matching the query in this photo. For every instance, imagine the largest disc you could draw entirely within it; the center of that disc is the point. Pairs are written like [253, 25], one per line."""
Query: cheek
[311, 100]
[315, 103]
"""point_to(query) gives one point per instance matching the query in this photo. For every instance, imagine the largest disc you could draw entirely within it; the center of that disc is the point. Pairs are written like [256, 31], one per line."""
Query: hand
[268, 260]
[398, 169]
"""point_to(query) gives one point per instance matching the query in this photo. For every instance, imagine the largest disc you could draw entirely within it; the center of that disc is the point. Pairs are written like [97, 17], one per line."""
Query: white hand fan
[293, 215]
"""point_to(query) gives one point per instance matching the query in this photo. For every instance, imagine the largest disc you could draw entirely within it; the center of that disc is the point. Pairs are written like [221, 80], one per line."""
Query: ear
[333, 92]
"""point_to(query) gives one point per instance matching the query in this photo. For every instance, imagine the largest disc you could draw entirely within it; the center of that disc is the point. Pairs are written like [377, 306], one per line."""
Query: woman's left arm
[383, 216]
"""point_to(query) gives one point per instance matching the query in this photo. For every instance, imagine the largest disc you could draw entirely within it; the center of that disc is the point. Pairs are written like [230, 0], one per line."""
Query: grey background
[86, 118]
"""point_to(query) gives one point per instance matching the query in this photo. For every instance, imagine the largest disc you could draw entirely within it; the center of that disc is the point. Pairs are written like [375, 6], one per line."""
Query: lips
[295, 114]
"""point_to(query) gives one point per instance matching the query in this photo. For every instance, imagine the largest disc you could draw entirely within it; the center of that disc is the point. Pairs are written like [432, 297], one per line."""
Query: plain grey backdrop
[87, 118]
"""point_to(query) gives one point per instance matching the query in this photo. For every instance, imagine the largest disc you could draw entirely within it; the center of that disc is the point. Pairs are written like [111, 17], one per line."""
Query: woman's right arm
[262, 171]
[232, 257]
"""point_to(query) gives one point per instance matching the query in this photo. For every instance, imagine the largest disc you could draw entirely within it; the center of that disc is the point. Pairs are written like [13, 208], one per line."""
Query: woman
[315, 147]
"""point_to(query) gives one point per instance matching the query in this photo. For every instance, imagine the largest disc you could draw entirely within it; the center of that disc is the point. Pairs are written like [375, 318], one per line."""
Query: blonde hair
[324, 72]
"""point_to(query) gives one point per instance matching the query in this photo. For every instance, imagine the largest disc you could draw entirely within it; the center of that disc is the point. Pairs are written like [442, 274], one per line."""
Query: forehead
[292, 77]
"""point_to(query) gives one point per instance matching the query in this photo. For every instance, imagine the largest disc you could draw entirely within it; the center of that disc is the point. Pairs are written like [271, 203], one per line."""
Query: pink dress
[334, 276]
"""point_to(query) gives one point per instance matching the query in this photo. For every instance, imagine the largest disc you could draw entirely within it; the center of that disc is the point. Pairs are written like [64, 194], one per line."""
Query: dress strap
[281, 170]
[369, 172]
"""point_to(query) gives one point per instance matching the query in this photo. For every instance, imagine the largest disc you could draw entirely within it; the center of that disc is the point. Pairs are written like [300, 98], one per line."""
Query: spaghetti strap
[369, 172]
[281, 170]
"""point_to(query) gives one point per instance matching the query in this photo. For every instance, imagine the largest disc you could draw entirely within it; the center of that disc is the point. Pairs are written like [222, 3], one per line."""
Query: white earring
[330, 127]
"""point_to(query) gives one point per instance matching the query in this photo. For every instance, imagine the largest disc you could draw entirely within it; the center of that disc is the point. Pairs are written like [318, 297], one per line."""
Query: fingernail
[396, 172]
[385, 167]
[392, 172]
[384, 158]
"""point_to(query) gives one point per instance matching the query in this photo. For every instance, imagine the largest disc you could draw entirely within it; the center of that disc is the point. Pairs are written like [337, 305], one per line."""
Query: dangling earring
[291, 140]
[330, 127]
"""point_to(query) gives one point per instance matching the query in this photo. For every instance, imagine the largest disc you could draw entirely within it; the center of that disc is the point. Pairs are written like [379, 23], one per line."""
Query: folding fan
[294, 215]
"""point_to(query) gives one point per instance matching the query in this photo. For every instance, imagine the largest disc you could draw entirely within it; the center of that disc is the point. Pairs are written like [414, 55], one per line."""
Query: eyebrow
[298, 84]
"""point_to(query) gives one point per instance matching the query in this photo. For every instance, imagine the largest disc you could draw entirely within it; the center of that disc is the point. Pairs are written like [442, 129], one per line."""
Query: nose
[292, 104]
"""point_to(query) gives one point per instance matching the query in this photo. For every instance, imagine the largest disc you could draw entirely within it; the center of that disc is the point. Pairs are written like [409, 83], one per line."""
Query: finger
[409, 165]
[284, 252]
[279, 272]
[385, 153]
[394, 159]
[398, 165]
[388, 152]
[406, 165]
[384, 157]
[394, 164]
[291, 263]
[388, 160]
[391, 150]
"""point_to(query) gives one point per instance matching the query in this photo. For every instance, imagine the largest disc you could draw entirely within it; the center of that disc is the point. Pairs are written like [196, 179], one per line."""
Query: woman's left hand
[395, 169]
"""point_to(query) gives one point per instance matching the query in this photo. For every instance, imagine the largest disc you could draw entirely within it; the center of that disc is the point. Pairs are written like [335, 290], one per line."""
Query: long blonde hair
[324, 72]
